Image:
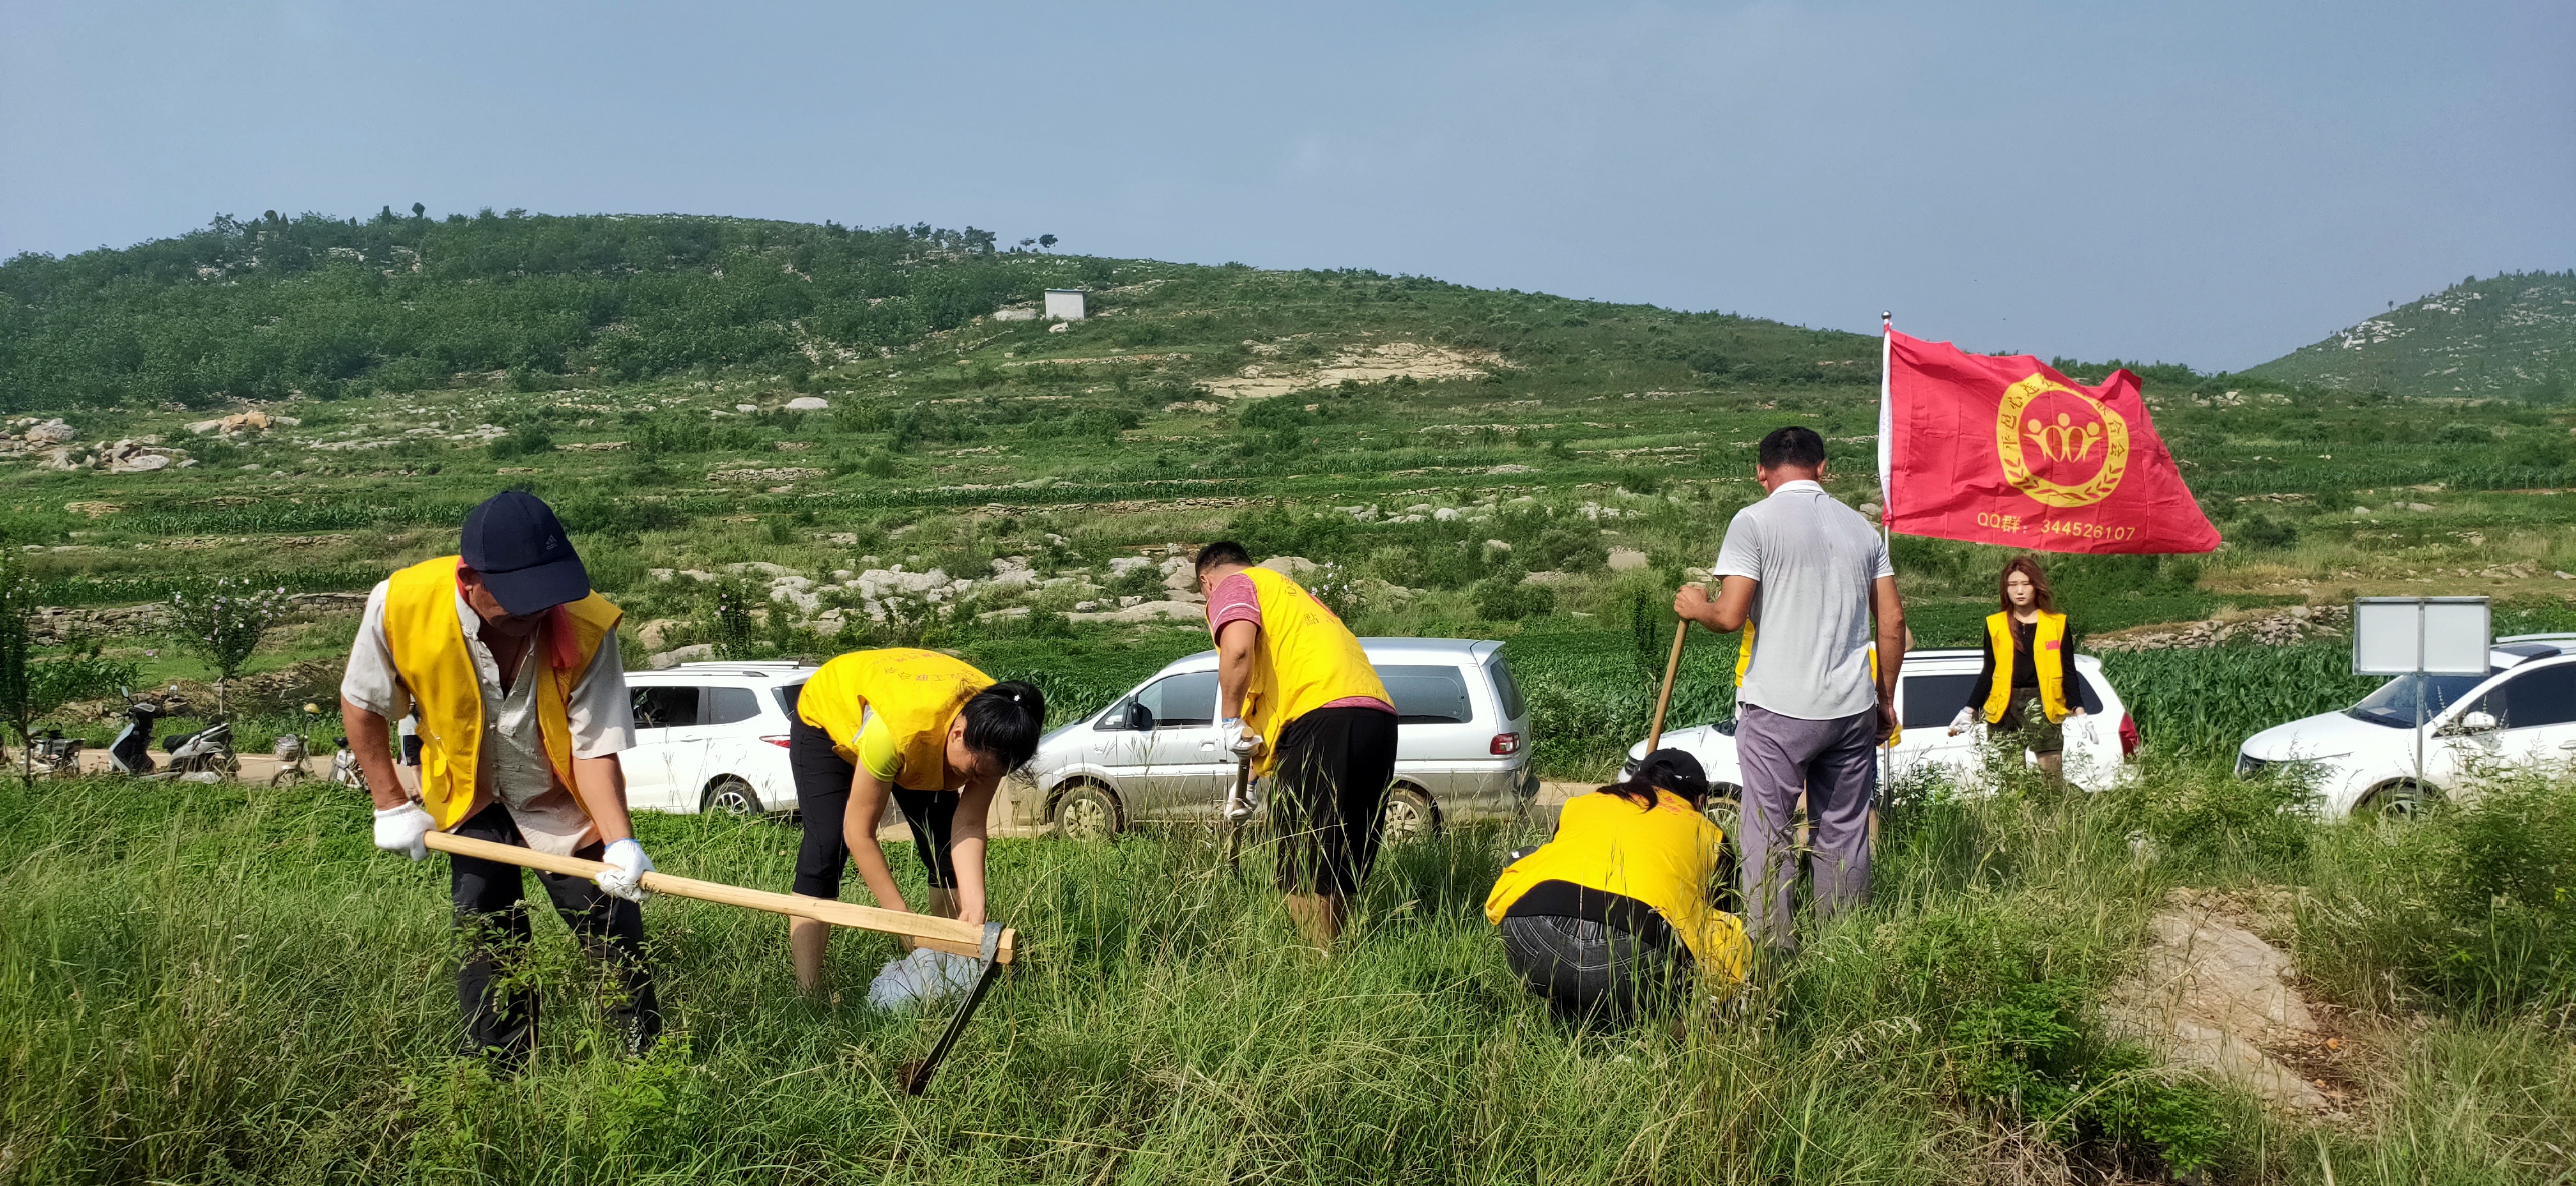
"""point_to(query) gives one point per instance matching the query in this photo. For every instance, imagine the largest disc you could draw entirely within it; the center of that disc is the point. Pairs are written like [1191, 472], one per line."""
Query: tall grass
[228, 983]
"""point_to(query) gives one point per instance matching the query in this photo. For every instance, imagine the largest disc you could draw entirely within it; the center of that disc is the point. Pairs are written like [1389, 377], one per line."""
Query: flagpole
[1886, 511]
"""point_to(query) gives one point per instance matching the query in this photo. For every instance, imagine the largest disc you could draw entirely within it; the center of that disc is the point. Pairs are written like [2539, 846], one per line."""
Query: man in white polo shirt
[1810, 575]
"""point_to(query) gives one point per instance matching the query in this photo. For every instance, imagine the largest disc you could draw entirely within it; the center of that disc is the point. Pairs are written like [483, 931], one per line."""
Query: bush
[1503, 597]
[527, 440]
[2472, 907]
[2263, 531]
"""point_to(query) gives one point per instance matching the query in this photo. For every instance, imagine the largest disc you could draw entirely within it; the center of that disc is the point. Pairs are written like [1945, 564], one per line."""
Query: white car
[2522, 712]
[1930, 690]
[1462, 746]
[713, 737]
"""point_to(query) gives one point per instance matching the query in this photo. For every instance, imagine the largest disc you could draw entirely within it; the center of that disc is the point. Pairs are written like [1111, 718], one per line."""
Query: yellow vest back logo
[2059, 445]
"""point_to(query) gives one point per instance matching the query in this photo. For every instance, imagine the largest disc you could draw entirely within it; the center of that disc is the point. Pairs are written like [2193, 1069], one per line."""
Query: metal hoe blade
[916, 1075]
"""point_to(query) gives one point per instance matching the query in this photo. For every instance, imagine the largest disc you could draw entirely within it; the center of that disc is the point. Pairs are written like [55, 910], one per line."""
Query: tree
[1046, 242]
[17, 688]
[221, 621]
[418, 210]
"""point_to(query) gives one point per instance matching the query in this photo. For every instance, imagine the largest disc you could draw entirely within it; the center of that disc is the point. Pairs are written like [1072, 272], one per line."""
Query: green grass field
[228, 984]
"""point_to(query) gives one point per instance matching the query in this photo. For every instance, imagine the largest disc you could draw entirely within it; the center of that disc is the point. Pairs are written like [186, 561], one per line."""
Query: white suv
[2521, 713]
[1930, 690]
[1462, 746]
[713, 737]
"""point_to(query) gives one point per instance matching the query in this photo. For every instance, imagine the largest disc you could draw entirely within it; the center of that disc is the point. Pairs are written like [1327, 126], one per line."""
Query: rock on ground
[692, 653]
[1150, 611]
[2215, 997]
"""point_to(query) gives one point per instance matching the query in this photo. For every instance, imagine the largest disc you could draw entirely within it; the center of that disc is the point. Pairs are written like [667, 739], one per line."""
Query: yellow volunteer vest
[431, 655]
[1662, 857]
[1744, 660]
[2050, 635]
[916, 693]
[1306, 659]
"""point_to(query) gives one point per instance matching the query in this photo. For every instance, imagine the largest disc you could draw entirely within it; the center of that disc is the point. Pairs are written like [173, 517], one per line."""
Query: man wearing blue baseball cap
[510, 663]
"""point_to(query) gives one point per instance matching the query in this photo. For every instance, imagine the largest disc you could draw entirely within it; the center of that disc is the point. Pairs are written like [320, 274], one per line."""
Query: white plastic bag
[922, 978]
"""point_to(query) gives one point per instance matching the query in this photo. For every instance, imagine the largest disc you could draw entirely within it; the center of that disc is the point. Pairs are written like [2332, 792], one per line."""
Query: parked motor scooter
[130, 752]
[55, 755]
[208, 751]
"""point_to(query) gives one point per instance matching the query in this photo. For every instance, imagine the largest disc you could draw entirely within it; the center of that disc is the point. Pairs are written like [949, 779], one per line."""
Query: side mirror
[1140, 718]
[2478, 722]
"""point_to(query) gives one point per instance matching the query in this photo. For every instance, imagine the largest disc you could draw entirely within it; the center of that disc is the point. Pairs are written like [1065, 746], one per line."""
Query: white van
[1930, 690]
[2522, 712]
[1463, 746]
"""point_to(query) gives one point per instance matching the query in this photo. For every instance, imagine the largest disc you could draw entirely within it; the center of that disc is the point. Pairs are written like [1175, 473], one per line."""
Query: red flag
[2008, 451]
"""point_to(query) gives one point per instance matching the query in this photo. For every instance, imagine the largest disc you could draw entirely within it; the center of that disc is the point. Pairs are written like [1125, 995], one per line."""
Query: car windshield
[2394, 704]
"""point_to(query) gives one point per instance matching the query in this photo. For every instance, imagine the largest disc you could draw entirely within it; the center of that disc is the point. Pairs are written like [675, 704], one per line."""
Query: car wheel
[1087, 811]
[1409, 815]
[2402, 800]
[731, 796]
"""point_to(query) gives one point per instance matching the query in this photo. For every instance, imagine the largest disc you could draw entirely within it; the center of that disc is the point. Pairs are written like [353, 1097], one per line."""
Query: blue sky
[2204, 183]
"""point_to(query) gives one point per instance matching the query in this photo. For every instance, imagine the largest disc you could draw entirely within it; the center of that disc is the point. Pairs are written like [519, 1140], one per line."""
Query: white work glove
[1238, 740]
[400, 829]
[1242, 803]
[624, 876]
[1959, 723]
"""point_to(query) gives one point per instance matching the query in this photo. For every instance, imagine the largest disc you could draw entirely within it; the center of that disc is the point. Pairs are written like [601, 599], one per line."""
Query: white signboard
[2405, 635]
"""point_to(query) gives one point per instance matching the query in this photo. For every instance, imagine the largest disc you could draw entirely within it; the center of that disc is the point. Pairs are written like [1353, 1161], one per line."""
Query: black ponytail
[1004, 722]
[1671, 770]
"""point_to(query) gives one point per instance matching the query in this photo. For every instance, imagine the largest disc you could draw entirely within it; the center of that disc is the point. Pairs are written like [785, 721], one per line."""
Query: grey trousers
[1835, 762]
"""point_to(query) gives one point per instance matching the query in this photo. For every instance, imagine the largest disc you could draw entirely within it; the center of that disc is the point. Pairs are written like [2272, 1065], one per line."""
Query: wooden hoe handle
[923, 930]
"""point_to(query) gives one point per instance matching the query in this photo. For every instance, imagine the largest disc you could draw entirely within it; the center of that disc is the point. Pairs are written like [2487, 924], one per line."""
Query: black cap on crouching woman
[515, 543]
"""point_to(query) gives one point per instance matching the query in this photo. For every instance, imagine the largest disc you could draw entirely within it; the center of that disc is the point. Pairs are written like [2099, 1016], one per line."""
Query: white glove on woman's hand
[1237, 740]
[400, 829]
[624, 876]
[1959, 723]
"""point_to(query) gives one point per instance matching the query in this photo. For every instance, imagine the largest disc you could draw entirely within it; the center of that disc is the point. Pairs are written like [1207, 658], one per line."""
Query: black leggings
[823, 798]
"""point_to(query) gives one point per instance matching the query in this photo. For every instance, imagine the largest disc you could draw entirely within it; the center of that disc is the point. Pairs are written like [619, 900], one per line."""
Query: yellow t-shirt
[1662, 856]
[879, 753]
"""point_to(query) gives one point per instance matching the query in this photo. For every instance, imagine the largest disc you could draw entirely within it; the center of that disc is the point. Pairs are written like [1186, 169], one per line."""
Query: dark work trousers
[1328, 796]
[1835, 762]
[501, 1016]
[1594, 971]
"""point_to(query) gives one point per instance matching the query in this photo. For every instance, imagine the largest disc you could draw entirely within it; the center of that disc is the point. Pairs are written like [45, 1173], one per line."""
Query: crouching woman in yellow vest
[2021, 690]
[1612, 918]
[930, 733]
[511, 663]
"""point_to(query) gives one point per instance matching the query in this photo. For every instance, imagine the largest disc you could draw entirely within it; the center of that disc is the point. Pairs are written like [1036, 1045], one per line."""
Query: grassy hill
[1497, 464]
[2508, 335]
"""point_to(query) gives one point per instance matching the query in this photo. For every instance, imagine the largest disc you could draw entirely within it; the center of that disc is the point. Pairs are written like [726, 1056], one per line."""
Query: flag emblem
[2082, 445]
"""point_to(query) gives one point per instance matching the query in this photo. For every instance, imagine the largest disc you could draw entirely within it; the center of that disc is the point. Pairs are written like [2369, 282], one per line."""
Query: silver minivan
[1463, 746]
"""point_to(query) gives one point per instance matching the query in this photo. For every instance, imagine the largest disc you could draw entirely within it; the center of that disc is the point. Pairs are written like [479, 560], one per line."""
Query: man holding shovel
[1812, 575]
[511, 663]
[1298, 697]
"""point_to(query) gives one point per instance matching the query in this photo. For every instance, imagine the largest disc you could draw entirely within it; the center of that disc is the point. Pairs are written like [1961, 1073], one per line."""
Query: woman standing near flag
[2021, 691]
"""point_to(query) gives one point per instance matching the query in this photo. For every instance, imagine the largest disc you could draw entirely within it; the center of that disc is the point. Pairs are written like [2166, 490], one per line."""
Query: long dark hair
[1004, 722]
[1673, 770]
[2040, 597]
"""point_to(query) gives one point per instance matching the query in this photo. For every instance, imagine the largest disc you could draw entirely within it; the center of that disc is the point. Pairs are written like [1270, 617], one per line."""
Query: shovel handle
[923, 930]
[1664, 699]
